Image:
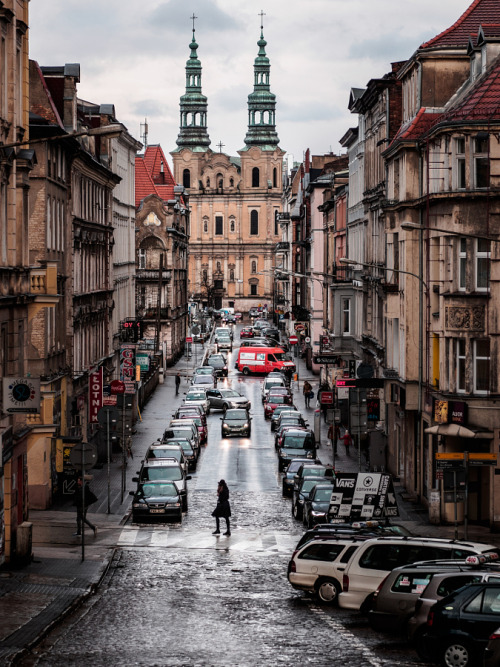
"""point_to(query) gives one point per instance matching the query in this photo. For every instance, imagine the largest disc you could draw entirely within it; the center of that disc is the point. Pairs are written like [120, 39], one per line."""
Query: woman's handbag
[311, 394]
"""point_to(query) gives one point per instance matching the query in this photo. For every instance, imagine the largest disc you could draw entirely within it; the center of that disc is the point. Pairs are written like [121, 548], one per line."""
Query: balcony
[151, 275]
[282, 246]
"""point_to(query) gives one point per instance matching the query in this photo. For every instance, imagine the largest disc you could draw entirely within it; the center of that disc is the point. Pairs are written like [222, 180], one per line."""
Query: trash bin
[161, 375]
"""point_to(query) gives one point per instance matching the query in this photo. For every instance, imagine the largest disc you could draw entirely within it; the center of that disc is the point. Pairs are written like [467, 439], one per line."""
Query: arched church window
[255, 177]
[253, 266]
[275, 178]
[254, 223]
[186, 178]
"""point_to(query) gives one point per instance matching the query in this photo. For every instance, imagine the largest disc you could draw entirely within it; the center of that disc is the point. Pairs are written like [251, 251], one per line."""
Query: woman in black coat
[223, 508]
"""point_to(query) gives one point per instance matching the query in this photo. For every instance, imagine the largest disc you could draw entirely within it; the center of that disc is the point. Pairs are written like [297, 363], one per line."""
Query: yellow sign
[482, 457]
[450, 456]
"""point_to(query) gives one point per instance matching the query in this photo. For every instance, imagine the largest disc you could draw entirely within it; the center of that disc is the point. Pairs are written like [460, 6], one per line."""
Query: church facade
[234, 201]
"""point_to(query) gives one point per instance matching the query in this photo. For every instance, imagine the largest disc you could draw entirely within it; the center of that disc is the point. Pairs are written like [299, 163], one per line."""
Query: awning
[457, 431]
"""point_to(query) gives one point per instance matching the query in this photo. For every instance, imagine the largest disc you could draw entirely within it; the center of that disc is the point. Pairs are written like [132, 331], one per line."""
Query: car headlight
[174, 504]
[309, 455]
[300, 501]
[245, 425]
[137, 506]
[316, 513]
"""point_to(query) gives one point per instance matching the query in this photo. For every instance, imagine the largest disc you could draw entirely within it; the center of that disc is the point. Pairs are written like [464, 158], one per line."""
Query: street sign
[83, 454]
[362, 496]
[293, 340]
[108, 415]
[326, 397]
[189, 339]
[324, 359]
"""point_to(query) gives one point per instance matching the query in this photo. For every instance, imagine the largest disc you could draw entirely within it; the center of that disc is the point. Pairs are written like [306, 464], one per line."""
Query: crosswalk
[159, 537]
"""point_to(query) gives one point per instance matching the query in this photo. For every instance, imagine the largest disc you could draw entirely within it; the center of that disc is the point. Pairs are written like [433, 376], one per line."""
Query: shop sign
[450, 412]
[95, 395]
[127, 362]
[21, 395]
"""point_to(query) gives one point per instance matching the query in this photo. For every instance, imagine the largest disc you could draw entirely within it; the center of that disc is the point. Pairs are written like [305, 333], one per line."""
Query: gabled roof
[482, 100]
[418, 126]
[480, 12]
[153, 175]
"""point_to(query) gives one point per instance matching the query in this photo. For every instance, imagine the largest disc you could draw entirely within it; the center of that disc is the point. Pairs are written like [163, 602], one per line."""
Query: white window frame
[346, 316]
[480, 256]
[480, 155]
[460, 163]
[460, 361]
[462, 264]
[142, 258]
[478, 359]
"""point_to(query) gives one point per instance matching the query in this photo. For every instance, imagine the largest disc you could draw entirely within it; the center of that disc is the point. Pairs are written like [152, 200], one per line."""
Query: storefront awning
[457, 431]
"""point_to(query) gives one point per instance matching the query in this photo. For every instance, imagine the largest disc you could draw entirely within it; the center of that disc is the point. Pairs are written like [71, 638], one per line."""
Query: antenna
[144, 133]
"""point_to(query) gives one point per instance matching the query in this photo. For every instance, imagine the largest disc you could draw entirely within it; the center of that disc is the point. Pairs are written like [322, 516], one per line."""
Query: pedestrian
[347, 441]
[307, 391]
[223, 508]
[84, 497]
[177, 383]
[332, 437]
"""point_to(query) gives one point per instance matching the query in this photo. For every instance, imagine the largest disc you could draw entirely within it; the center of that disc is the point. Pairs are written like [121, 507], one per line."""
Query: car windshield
[195, 396]
[297, 442]
[274, 382]
[183, 442]
[309, 484]
[164, 453]
[203, 379]
[204, 370]
[215, 363]
[236, 414]
[181, 432]
[322, 495]
[156, 489]
[173, 473]
[280, 398]
[230, 393]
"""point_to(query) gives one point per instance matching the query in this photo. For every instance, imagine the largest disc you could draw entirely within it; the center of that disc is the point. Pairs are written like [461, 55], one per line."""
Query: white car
[204, 381]
[197, 396]
[269, 382]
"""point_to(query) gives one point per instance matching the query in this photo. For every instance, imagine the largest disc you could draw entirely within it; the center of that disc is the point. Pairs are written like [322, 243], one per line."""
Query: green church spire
[193, 106]
[262, 103]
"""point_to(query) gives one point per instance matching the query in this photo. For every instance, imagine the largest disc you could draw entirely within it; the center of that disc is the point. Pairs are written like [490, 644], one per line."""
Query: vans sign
[358, 496]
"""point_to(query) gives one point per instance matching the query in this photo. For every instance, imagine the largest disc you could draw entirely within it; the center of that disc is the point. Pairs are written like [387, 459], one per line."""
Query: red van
[262, 360]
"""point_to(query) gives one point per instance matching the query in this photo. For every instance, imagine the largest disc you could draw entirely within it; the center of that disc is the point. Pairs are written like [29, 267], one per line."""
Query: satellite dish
[365, 370]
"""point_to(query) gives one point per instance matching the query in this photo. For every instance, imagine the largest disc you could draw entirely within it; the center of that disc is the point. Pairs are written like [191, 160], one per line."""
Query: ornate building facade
[234, 201]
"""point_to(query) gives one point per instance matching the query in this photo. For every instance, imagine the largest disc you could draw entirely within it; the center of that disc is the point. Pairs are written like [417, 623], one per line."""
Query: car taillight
[375, 595]
[496, 634]
[293, 567]
[430, 618]
[345, 583]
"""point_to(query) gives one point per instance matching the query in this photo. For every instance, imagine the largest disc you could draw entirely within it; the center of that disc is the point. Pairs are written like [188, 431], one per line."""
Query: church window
[231, 225]
[275, 178]
[220, 181]
[253, 290]
[231, 182]
[253, 266]
[276, 225]
[219, 227]
[186, 178]
[255, 177]
[208, 182]
[254, 223]
[205, 225]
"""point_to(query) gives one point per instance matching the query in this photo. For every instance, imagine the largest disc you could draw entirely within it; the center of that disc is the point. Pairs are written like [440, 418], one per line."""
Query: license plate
[157, 511]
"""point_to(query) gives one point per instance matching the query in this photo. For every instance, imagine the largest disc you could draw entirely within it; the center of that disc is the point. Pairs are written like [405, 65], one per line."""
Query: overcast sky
[133, 55]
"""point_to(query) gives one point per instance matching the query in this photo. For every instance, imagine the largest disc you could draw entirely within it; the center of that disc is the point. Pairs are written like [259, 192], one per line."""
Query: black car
[296, 443]
[236, 421]
[165, 471]
[271, 332]
[290, 470]
[156, 500]
[190, 453]
[459, 626]
[300, 496]
[218, 363]
[316, 505]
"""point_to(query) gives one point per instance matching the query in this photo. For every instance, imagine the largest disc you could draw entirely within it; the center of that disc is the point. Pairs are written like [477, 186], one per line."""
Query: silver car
[223, 399]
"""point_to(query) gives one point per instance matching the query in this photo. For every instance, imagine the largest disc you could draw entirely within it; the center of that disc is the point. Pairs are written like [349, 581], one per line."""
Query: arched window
[208, 182]
[276, 225]
[275, 178]
[218, 267]
[231, 182]
[220, 181]
[186, 178]
[231, 275]
[204, 275]
[231, 225]
[255, 177]
[254, 223]
[205, 225]
[253, 268]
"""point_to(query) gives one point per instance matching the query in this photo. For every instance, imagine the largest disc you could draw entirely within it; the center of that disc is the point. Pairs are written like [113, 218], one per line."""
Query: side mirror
[221, 418]
[135, 479]
[131, 493]
[188, 477]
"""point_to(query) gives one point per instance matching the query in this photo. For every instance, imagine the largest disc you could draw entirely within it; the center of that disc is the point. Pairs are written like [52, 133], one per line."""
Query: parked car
[199, 420]
[223, 399]
[190, 452]
[183, 432]
[273, 402]
[312, 470]
[492, 650]
[296, 443]
[395, 600]
[271, 332]
[205, 370]
[460, 625]
[257, 342]
[253, 312]
[318, 566]
[369, 528]
[165, 471]
[236, 421]
[163, 451]
[187, 422]
[290, 470]
[219, 363]
[302, 493]
[283, 409]
[156, 500]
[381, 555]
[205, 381]
[197, 396]
[316, 505]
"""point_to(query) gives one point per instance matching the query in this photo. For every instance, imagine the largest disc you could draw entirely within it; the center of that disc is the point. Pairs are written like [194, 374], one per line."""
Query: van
[377, 557]
[261, 360]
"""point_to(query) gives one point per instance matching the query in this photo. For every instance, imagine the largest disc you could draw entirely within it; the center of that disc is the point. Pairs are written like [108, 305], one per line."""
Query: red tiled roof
[480, 12]
[482, 101]
[418, 126]
[150, 178]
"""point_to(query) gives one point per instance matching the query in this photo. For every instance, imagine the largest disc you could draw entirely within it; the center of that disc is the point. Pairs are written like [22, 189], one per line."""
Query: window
[186, 178]
[275, 178]
[208, 182]
[253, 266]
[481, 167]
[481, 365]
[254, 223]
[462, 264]
[276, 225]
[323, 552]
[346, 316]
[253, 290]
[231, 275]
[231, 182]
[219, 227]
[232, 225]
[255, 177]
[204, 274]
[482, 264]
[220, 181]
[460, 163]
[205, 225]
[142, 258]
[460, 365]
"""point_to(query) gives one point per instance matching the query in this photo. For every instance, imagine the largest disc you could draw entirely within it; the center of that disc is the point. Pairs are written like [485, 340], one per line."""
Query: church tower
[234, 201]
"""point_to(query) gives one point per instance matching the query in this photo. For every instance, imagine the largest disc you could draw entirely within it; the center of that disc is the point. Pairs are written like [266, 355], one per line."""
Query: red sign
[293, 340]
[189, 339]
[127, 362]
[95, 395]
[326, 398]
[117, 387]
